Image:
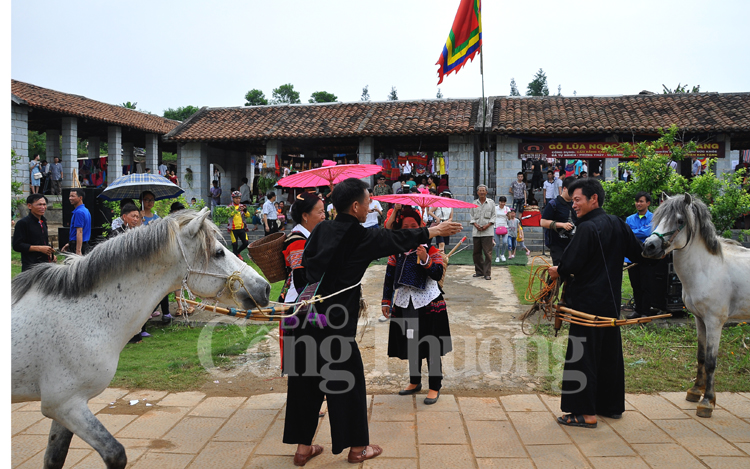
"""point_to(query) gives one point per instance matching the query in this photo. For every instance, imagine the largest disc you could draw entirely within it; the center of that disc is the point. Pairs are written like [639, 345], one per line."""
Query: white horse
[70, 322]
[715, 276]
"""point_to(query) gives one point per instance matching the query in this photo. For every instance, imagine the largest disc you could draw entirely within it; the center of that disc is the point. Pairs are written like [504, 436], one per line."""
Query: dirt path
[488, 356]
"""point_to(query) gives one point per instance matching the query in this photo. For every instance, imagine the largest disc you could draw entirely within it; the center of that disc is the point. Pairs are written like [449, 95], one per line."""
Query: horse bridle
[672, 235]
[233, 283]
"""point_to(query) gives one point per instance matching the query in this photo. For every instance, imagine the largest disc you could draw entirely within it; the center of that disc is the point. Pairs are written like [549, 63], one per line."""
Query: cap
[448, 193]
[236, 194]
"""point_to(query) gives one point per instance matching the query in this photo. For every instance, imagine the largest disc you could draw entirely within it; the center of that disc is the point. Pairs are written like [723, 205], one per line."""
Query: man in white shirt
[373, 212]
[162, 169]
[549, 188]
[270, 215]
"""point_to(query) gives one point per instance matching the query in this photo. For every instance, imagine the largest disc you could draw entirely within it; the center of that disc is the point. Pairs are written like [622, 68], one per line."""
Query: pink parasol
[330, 173]
[423, 200]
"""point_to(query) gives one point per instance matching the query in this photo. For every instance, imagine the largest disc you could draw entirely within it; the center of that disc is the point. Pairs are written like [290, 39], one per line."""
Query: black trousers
[643, 281]
[594, 373]
[434, 372]
[321, 363]
[556, 253]
[273, 227]
[240, 242]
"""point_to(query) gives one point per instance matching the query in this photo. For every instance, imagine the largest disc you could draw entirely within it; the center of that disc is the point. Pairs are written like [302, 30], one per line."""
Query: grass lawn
[658, 357]
[169, 360]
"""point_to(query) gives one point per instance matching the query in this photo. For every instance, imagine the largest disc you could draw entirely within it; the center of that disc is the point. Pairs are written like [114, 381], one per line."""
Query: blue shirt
[147, 220]
[81, 218]
[641, 226]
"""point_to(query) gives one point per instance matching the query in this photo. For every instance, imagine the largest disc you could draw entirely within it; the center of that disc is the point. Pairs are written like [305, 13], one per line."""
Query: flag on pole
[464, 40]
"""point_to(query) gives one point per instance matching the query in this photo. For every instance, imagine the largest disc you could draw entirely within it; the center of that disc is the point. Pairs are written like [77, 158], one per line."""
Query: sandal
[575, 421]
[360, 457]
[190, 310]
[301, 459]
[178, 312]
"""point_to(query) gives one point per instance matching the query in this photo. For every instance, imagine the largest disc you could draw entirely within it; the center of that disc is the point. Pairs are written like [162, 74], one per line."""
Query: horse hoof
[704, 410]
[693, 396]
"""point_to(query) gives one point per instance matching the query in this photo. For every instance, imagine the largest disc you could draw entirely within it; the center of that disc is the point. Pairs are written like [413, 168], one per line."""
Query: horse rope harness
[672, 235]
[234, 284]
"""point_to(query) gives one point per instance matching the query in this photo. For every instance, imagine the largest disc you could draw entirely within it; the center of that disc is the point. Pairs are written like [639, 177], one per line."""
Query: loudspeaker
[668, 289]
[100, 214]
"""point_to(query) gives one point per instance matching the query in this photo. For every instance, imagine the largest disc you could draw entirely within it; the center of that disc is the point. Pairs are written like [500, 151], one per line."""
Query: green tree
[255, 97]
[129, 105]
[182, 113]
[559, 90]
[724, 195]
[38, 144]
[365, 93]
[650, 172]
[514, 88]
[323, 97]
[285, 94]
[681, 89]
[439, 94]
[393, 96]
[538, 86]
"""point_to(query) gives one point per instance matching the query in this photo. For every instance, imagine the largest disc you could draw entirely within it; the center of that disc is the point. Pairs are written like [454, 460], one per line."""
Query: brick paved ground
[189, 430]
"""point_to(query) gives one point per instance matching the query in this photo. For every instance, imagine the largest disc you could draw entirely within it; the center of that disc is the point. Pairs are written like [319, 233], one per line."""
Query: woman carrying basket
[307, 211]
[419, 320]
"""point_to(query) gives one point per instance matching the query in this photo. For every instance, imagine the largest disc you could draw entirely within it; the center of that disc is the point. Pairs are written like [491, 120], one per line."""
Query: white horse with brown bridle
[70, 322]
[715, 276]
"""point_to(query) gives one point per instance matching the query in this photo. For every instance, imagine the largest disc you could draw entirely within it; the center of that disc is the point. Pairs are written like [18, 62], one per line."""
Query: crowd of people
[334, 239]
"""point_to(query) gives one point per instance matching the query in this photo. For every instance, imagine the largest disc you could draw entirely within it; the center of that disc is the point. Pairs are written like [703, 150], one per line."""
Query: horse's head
[213, 272]
[677, 220]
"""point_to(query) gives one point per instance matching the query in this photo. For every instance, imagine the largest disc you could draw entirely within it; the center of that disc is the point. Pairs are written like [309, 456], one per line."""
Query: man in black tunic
[30, 235]
[594, 376]
[322, 359]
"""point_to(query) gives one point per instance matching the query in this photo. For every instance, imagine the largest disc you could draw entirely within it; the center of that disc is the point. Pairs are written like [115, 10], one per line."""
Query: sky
[165, 54]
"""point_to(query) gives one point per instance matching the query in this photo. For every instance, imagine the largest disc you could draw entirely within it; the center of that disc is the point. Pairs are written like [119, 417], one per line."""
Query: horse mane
[699, 223]
[137, 248]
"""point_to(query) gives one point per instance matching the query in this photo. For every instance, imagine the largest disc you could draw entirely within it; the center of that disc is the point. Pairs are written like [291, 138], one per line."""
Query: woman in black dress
[419, 320]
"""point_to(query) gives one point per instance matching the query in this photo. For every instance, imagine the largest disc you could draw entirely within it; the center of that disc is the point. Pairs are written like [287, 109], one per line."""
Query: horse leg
[57, 446]
[78, 419]
[713, 336]
[695, 393]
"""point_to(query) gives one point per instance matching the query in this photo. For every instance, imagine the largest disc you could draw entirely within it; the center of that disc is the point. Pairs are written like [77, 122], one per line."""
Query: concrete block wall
[114, 153]
[20, 143]
[52, 144]
[507, 165]
[461, 171]
[367, 156]
[152, 153]
[194, 156]
[724, 165]
[69, 149]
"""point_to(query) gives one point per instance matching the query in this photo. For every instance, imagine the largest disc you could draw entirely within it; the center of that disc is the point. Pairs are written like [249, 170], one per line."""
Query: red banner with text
[596, 150]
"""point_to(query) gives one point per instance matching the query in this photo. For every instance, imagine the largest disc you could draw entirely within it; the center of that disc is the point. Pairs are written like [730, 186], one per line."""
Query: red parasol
[423, 200]
[330, 173]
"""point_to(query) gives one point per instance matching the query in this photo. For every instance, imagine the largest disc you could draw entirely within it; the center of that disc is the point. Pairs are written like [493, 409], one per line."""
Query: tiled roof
[700, 112]
[74, 105]
[362, 119]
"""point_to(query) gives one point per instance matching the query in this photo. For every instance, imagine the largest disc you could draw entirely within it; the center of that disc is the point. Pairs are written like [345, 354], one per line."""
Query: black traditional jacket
[594, 258]
[342, 250]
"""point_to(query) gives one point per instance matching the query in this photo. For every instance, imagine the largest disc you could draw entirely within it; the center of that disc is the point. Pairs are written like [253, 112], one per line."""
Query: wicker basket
[268, 253]
[445, 269]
